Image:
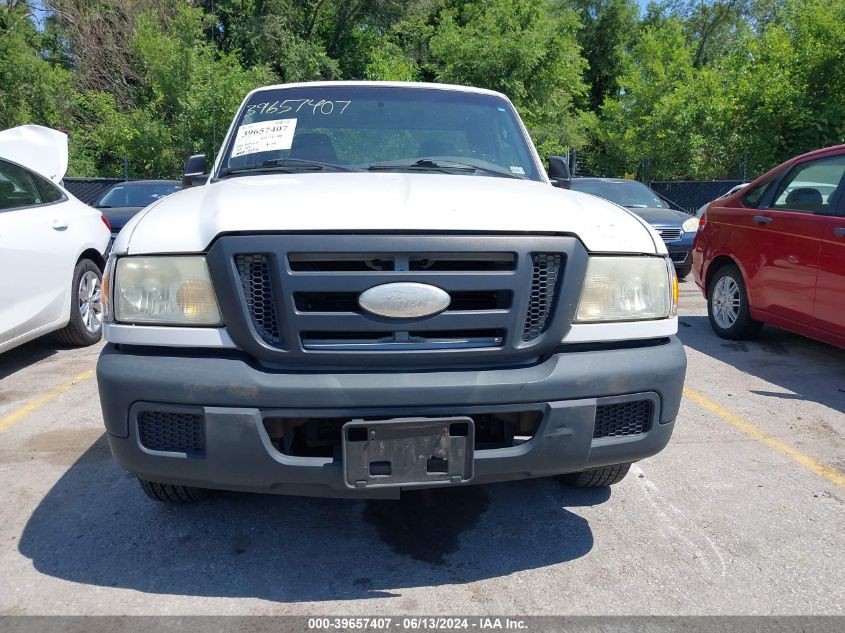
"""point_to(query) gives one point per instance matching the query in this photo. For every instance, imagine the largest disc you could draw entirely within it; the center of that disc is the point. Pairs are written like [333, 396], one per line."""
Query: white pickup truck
[377, 287]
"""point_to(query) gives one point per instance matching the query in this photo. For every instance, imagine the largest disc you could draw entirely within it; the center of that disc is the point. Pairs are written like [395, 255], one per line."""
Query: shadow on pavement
[96, 527]
[19, 358]
[810, 370]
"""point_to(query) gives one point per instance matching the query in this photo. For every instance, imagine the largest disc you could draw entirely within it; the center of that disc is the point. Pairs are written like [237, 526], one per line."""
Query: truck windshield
[377, 128]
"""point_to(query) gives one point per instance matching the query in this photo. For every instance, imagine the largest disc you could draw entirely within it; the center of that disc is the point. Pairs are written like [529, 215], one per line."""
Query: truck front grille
[299, 296]
[546, 269]
[258, 293]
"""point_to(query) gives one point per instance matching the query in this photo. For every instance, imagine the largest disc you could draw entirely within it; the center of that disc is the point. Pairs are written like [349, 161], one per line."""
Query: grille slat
[345, 322]
[359, 341]
[623, 418]
[544, 284]
[171, 432]
[670, 235]
[348, 301]
[254, 274]
[358, 281]
[387, 262]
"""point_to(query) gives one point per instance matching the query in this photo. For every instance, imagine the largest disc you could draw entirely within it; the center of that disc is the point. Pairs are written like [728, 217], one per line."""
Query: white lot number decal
[264, 136]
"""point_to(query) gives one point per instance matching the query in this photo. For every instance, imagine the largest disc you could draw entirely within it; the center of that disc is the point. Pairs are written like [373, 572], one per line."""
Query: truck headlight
[164, 291]
[628, 289]
[691, 225]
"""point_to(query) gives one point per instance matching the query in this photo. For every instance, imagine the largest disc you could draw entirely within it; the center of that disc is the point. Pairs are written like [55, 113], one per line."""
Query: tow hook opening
[321, 437]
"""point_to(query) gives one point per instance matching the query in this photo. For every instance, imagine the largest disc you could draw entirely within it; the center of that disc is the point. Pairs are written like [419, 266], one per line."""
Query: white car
[51, 244]
[378, 288]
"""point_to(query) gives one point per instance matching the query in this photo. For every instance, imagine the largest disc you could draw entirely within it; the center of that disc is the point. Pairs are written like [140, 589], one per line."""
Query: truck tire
[727, 305]
[172, 493]
[86, 313]
[598, 477]
[683, 272]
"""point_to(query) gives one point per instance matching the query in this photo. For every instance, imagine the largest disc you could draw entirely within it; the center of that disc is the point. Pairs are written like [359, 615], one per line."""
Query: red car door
[787, 239]
[830, 289]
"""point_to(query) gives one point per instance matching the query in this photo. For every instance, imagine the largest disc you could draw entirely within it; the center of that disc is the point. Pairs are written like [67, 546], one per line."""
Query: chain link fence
[683, 195]
[689, 195]
[89, 190]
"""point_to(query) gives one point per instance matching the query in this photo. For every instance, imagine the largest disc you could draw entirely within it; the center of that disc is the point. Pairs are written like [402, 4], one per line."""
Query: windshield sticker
[315, 107]
[265, 136]
[517, 170]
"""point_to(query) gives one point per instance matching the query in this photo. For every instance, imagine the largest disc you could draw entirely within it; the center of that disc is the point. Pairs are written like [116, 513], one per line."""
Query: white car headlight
[690, 226]
[628, 289]
[164, 291]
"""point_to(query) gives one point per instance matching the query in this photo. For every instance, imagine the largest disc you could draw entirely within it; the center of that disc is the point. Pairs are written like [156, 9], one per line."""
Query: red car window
[809, 187]
[756, 194]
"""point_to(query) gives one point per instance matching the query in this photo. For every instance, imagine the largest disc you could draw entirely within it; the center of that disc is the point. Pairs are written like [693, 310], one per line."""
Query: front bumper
[234, 396]
[680, 252]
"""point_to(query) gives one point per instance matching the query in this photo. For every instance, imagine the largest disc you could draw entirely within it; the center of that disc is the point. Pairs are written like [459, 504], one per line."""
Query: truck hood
[41, 149]
[188, 221]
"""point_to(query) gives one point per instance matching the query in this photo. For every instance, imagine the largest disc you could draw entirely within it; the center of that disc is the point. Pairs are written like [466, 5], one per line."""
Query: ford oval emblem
[404, 300]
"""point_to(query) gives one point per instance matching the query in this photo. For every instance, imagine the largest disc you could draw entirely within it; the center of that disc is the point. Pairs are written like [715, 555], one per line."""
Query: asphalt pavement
[742, 513]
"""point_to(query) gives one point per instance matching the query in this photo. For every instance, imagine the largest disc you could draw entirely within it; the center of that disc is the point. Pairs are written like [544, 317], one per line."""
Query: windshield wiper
[441, 165]
[285, 165]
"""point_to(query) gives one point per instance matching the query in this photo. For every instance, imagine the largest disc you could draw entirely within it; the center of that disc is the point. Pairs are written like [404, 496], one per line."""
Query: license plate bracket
[408, 452]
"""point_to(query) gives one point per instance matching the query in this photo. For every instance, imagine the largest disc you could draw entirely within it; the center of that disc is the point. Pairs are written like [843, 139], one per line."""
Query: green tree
[186, 95]
[520, 48]
[788, 81]
[693, 87]
[279, 34]
[389, 62]
[402, 51]
[32, 88]
[766, 98]
[306, 39]
[609, 29]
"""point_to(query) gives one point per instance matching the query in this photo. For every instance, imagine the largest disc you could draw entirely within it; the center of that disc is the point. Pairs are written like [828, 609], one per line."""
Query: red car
[774, 252]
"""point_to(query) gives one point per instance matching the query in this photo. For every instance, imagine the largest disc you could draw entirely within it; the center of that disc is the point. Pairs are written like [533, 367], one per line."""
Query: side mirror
[559, 172]
[194, 172]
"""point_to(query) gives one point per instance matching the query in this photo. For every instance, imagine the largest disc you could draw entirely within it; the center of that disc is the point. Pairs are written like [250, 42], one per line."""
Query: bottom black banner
[525, 624]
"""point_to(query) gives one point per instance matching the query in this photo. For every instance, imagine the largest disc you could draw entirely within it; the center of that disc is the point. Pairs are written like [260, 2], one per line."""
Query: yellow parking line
[33, 405]
[756, 433]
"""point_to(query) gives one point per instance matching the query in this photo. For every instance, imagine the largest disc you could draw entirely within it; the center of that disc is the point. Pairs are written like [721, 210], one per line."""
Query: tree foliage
[764, 91]
[609, 28]
[32, 86]
[682, 89]
[520, 48]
